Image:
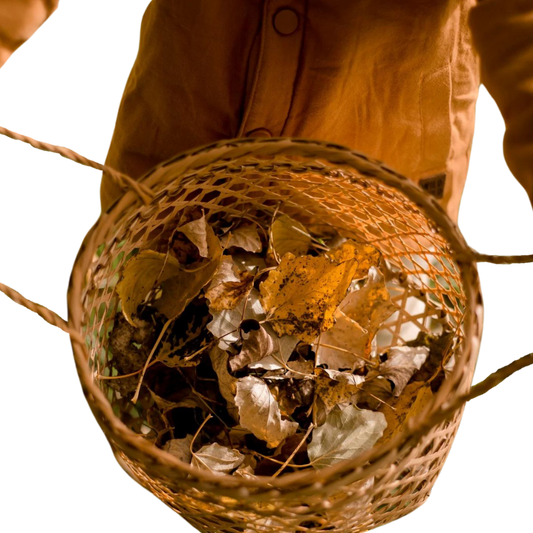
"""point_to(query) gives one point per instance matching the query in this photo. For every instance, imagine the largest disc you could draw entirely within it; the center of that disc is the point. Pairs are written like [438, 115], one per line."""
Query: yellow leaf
[229, 286]
[371, 305]
[336, 387]
[245, 237]
[343, 345]
[288, 235]
[140, 275]
[259, 412]
[302, 294]
[226, 382]
[179, 285]
[196, 232]
[413, 400]
[359, 316]
[181, 289]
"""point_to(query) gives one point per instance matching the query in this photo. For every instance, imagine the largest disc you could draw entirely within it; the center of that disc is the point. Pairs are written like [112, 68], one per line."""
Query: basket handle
[501, 259]
[481, 388]
[146, 194]
[46, 314]
[122, 180]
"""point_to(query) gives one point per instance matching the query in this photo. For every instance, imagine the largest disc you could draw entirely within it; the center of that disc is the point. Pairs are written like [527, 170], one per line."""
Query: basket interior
[423, 281]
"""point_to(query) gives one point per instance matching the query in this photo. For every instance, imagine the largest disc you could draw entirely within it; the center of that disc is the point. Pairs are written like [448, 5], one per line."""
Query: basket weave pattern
[316, 184]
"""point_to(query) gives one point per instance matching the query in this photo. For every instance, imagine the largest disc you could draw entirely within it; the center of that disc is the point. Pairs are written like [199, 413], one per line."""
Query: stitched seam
[259, 67]
[298, 76]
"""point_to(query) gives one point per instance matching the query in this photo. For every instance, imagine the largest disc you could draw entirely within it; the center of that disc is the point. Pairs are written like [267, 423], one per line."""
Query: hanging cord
[71, 155]
[502, 259]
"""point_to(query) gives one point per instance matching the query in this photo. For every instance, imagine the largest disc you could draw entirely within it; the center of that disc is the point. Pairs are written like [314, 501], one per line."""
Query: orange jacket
[397, 80]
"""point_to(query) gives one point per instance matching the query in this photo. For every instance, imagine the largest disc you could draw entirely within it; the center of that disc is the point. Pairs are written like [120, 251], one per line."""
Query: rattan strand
[313, 182]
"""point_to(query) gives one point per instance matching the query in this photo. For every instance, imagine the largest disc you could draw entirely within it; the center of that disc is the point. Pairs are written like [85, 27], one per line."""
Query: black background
[57, 469]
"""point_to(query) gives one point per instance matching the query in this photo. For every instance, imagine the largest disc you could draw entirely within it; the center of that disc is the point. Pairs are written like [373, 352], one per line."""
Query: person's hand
[19, 19]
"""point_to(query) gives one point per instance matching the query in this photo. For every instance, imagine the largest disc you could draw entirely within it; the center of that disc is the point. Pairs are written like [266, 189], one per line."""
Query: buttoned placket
[272, 91]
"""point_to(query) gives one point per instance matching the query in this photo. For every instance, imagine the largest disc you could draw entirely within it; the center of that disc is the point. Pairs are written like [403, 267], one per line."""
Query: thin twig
[122, 376]
[163, 331]
[196, 393]
[205, 398]
[379, 400]
[295, 451]
[315, 396]
[207, 418]
[270, 235]
[369, 361]
[292, 465]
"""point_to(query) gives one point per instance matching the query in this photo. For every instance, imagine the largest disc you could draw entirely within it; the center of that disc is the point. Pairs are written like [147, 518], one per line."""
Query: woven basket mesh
[319, 185]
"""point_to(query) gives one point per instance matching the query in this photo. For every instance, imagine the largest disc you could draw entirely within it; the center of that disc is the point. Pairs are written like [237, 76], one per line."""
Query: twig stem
[147, 364]
[294, 452]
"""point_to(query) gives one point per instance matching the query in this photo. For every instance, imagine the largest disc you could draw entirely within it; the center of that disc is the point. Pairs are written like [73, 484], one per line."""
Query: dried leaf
[259, 412]
[169, 356]
[293, 447]
[288, 235]
[256, 345]
[292, 393]
[287, 447]
[163, 405]
[217, 459]
[402, 363]
[299, 368]
[196, 232]
[130, 347]
[227, 271]
[375, 391]
[301, 295]
[393, 375]
[334, 388]
[181, 289]
[226, 382]
[371, 305]
[413, 400]
[139, 277]
[225, 324]
[248, 261]
[191, 402]
[357, 321]
[247, 468]
[245, 237]
[180, 448]
[228, 287]
[237, 436]
[283, 348]
[295, 369]
[346, 433]
[439, 347]
[340, 346]
[185, 342]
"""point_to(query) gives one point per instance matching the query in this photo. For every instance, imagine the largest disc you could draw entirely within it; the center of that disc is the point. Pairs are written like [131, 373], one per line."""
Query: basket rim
[191, 162]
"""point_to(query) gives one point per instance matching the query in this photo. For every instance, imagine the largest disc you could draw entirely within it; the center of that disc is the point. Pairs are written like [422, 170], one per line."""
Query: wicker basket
[316, 183]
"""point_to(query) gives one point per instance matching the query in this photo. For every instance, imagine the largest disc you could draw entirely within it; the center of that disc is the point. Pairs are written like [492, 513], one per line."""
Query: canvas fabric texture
[397, 81]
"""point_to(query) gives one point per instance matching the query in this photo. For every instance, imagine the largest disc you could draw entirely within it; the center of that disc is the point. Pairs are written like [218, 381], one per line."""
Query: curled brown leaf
[256, 345]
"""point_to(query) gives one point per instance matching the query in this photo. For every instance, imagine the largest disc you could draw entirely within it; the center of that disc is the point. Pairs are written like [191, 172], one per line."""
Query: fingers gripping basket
[317, 184]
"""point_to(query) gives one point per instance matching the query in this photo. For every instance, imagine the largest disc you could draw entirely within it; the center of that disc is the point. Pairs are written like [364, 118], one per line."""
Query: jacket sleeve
[502, 32]
[19, 20]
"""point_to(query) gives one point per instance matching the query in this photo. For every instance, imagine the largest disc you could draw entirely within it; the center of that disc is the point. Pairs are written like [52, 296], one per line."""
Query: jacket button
[286, 21]
[259, 132]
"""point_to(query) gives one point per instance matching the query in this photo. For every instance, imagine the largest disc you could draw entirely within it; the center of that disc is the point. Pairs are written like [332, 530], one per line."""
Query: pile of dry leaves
[250, 349]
